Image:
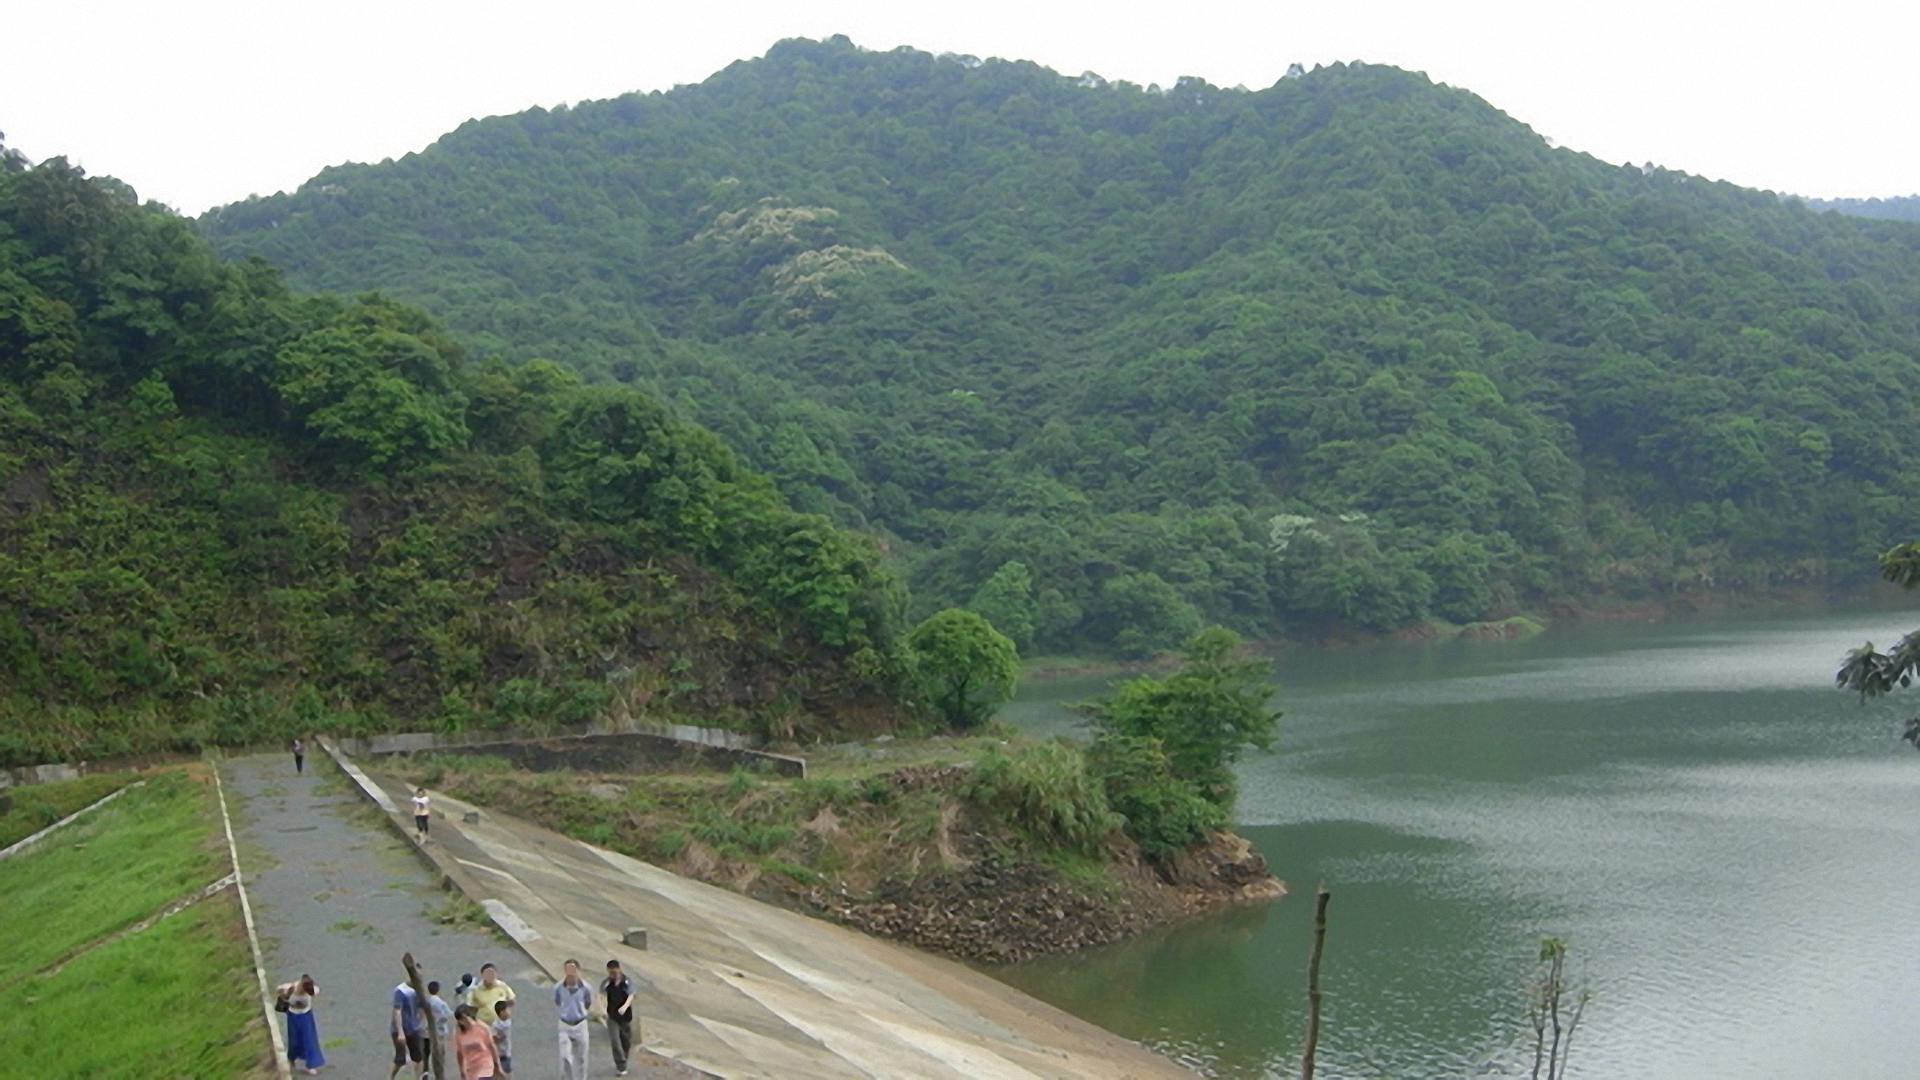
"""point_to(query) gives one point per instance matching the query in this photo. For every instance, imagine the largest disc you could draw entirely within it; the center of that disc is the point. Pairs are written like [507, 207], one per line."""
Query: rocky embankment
[1001, 911]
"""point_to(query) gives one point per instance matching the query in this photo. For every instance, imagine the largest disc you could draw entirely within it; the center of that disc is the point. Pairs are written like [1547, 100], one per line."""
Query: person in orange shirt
[473, 1046]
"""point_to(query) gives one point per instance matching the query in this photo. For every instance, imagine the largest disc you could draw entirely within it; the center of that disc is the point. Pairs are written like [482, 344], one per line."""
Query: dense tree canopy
[966, 668]
[1350, 351]
[229, 511]
[1897, 208]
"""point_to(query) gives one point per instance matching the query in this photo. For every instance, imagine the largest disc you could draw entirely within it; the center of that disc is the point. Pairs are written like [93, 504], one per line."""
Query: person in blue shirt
[442, 1015]
[409, 1030]
[573, 1000]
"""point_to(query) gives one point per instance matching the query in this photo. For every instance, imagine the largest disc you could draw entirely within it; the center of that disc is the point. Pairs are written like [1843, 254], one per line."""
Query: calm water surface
[1730, 847]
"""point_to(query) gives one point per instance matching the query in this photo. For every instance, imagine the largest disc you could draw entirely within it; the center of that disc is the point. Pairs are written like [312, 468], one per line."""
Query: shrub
[1204, 716]
[1164, 813]
[1045, 791]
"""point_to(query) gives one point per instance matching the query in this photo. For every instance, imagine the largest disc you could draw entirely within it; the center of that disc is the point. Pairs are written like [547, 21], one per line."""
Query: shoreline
[1507, 626]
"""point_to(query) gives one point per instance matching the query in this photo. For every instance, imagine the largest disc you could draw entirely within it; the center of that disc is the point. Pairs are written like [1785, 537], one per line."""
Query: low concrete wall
[619, 751]
[28, 775]
[690, 742]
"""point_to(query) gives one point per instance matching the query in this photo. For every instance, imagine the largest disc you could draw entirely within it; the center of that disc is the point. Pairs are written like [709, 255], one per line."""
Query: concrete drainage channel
[455, 877]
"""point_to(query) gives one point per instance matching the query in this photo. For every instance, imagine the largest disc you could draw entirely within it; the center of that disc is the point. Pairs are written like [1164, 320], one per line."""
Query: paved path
[743, 989]
[339, 895]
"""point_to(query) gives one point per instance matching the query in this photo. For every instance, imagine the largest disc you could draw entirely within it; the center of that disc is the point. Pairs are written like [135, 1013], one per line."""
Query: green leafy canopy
[1348, 352]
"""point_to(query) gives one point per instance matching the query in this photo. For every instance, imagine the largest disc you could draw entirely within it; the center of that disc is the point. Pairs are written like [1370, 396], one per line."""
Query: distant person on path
[421, 814]
[618, 990]
[409, 1030]
[303, 1033]
[573, 1000]
[503, 1034]
[473, 1046]
[489, 991]
[299, 755]
[442, 1019]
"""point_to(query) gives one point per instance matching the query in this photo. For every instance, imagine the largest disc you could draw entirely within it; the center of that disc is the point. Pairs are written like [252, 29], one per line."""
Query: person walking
[442, 1016]
[421, 814]
[473, 1046]
[618, 991]
[573, 1000]
[490, 990]
[408, 1027]
[503, 1035]
[303, 1031]
[299, 755]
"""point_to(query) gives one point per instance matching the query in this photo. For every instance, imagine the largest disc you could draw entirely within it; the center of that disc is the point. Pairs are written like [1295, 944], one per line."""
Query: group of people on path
[476, 1035]
[479, 1031]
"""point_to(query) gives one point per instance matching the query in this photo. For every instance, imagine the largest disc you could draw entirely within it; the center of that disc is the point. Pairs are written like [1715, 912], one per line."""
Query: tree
[376, 393]
[1204, 716]
[1871, 673]
[1554, 1009]
[965, 667]
[1006, 600]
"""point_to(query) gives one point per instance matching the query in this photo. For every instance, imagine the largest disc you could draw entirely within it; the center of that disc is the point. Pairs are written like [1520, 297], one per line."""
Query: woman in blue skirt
[303, 1034]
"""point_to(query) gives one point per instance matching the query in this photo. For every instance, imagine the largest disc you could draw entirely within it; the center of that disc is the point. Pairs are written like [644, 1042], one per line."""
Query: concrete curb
[19, 846]
[282, 1067]
[451, 876]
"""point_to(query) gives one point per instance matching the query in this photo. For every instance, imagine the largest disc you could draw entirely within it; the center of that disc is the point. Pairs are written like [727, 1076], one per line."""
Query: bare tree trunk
[1320, 898]
[1554, 981]
[426, 1014]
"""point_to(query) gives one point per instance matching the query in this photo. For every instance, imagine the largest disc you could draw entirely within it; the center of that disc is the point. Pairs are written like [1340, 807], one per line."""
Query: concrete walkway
[339, 895]
[742, 989]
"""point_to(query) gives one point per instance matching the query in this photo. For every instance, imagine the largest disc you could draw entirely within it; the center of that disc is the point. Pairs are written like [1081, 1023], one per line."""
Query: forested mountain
[1897, 208]
[231, 512]
[1105, 361]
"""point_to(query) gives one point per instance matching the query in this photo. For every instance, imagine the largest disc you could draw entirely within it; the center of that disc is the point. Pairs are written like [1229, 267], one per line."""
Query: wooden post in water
[426, 1014]
[1320, 898]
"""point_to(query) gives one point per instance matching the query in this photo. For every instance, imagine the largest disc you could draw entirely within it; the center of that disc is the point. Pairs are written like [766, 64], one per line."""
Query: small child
[421, 814]
[442, 1014]
[503, 1034]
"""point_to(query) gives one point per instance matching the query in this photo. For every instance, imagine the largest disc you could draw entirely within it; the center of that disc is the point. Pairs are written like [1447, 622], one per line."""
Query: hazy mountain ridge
[1892, 208]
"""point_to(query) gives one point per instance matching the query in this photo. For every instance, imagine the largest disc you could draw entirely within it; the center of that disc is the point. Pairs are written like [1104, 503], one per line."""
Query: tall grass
[1045, 791]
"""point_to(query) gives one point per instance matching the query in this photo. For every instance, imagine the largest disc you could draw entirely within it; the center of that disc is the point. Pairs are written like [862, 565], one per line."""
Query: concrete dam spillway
[729, 986]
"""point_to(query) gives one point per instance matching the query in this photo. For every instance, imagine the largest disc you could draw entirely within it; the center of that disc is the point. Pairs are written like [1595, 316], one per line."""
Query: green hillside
[1103, 361]
[231, 512]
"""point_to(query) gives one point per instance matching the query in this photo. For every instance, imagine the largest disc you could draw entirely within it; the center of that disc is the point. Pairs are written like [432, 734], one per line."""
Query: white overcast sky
[201, 102]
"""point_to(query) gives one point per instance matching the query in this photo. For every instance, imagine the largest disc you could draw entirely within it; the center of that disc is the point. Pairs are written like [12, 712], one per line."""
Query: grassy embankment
[851, 819]
[26, 810]
[989, 847]
[175, 999]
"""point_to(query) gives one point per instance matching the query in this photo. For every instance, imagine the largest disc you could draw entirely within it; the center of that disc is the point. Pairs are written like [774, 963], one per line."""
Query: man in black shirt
[618, 991]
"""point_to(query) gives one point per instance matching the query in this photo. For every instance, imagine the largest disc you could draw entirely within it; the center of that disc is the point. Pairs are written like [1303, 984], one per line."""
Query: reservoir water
[1729, 846]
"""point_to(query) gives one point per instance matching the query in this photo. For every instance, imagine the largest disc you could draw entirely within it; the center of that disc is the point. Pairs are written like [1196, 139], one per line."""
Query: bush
[1203, 716]
[1045, 791]
[1164, 813]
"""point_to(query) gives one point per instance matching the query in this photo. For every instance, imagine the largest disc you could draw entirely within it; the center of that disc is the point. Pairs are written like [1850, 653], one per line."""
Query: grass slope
[62, 903]
[26, 810]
